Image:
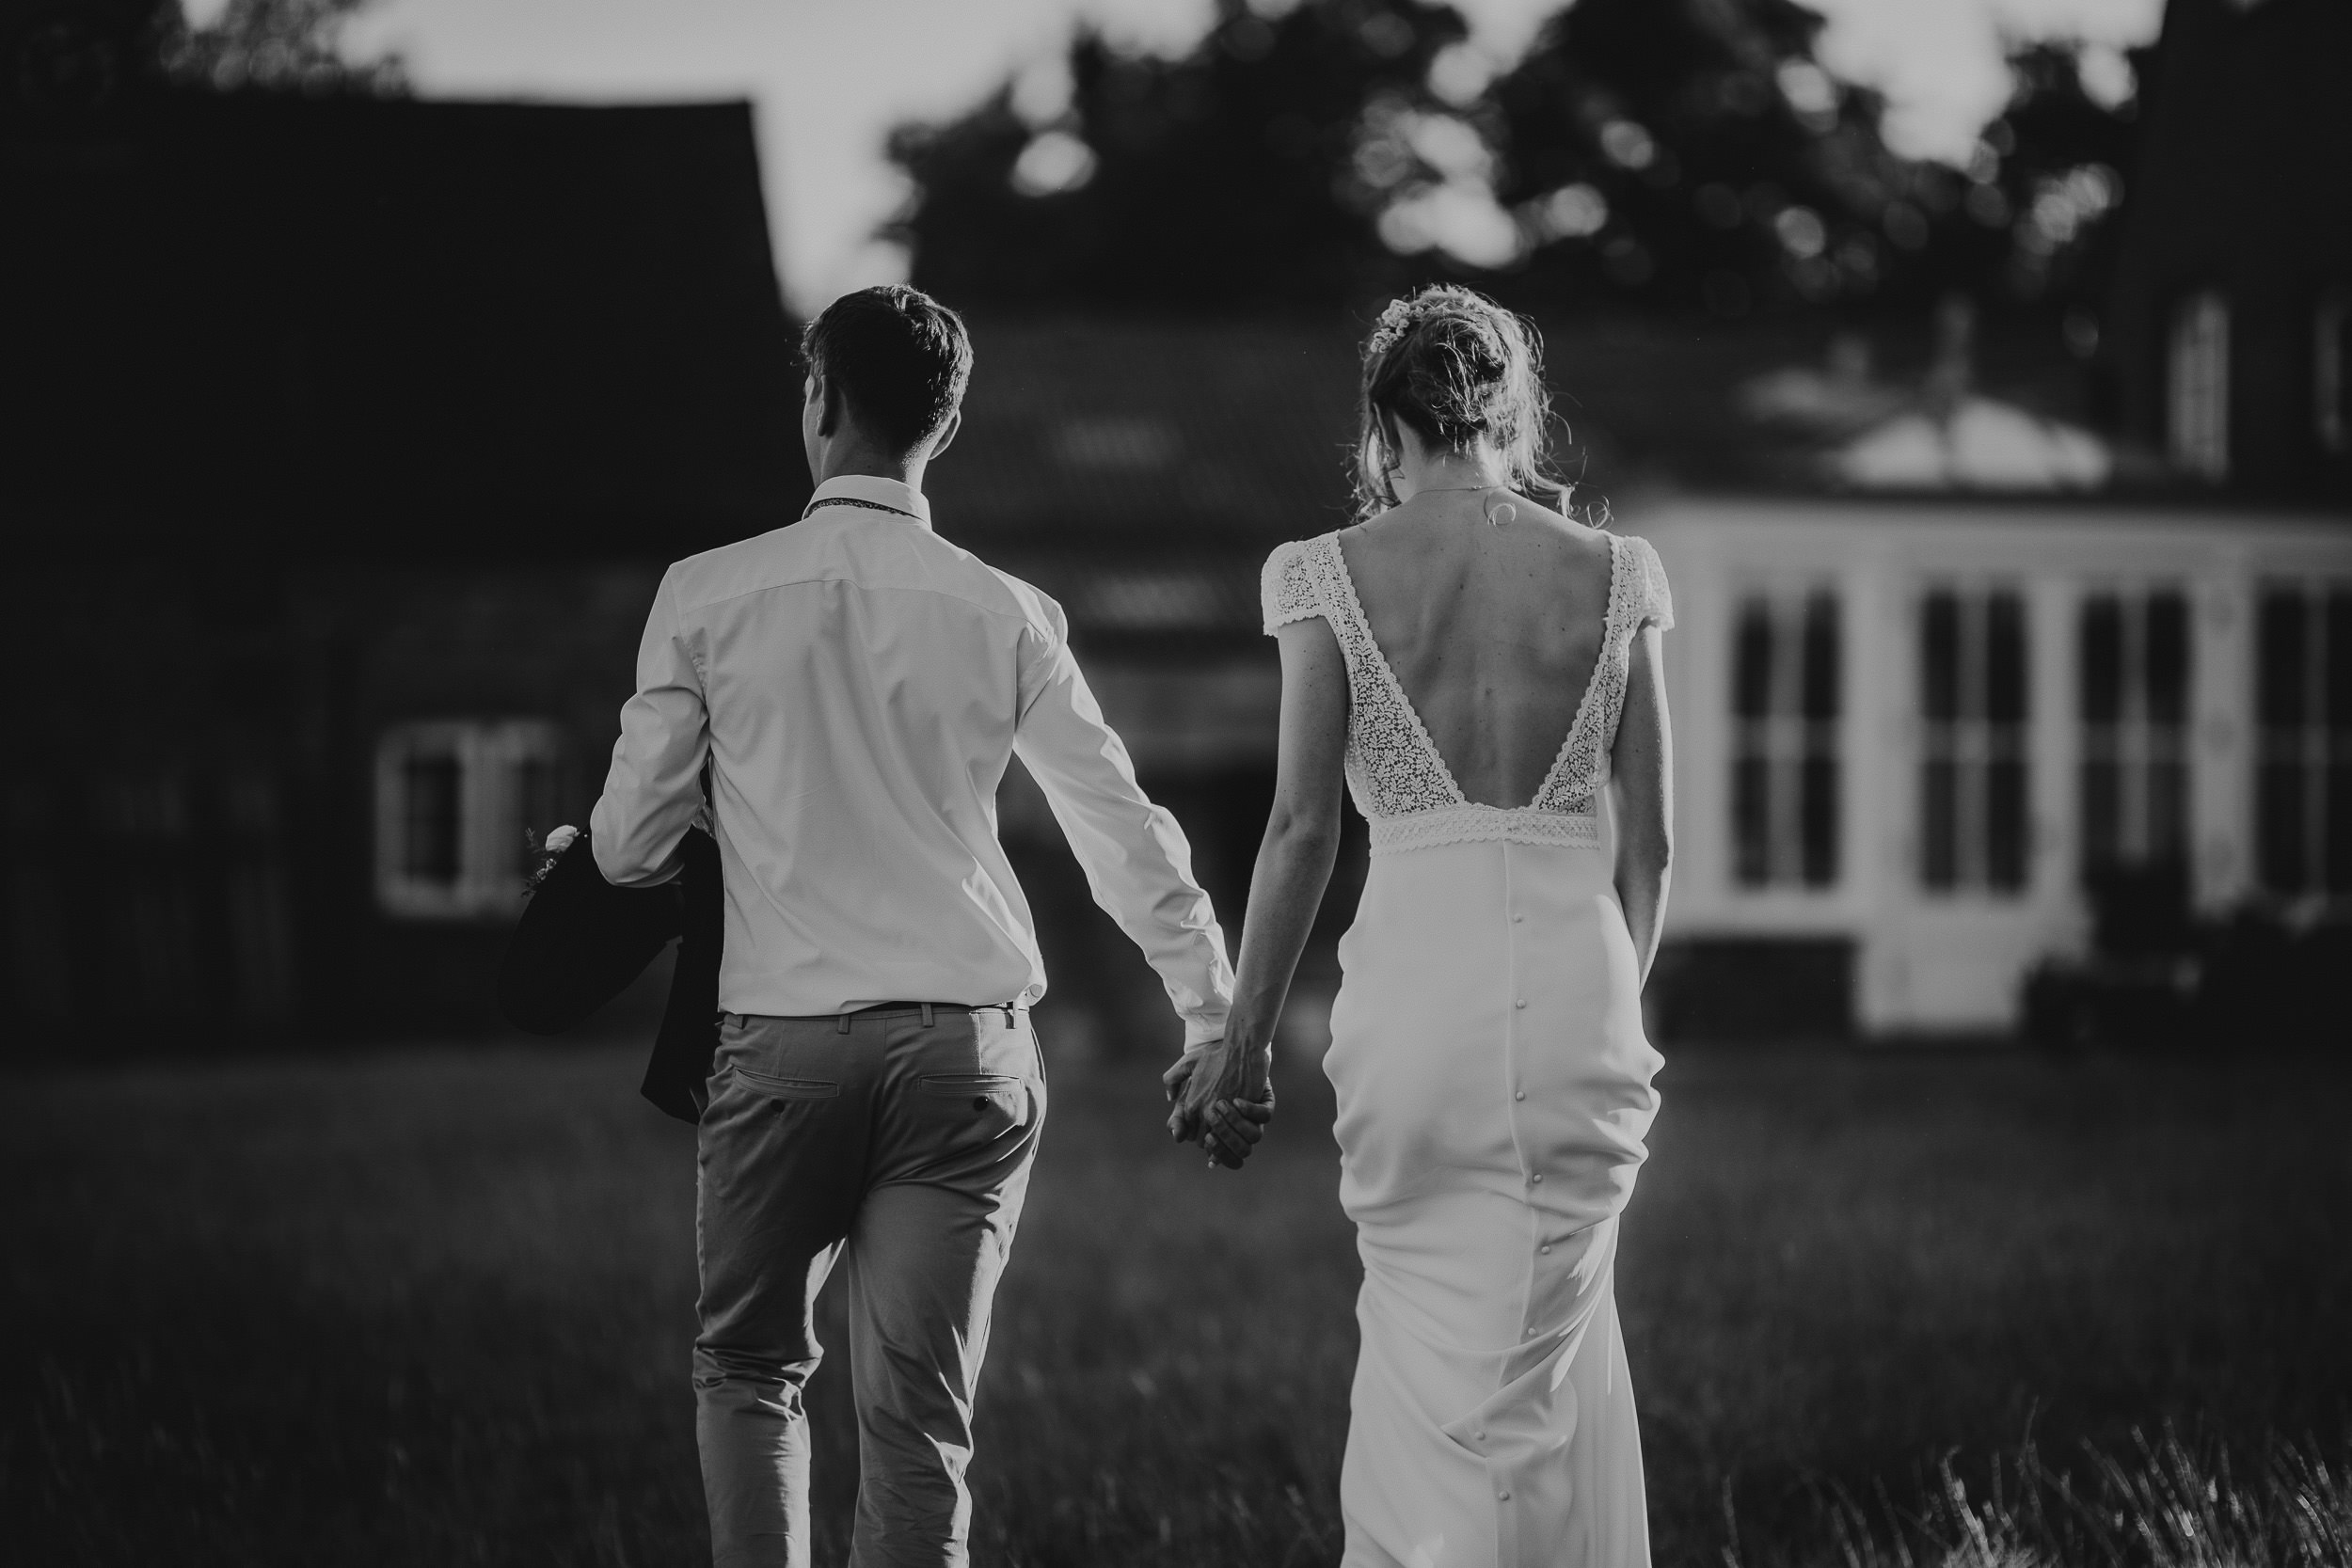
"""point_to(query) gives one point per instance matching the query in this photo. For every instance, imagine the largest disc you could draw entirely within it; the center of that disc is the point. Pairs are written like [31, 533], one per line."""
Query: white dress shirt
[859, 685]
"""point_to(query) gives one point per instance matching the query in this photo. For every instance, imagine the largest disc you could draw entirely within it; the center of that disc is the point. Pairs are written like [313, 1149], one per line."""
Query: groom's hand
[1224, 1097]
[1183, 1122]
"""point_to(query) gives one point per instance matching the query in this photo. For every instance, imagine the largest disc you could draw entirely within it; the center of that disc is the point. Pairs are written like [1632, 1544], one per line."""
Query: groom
[857, 685]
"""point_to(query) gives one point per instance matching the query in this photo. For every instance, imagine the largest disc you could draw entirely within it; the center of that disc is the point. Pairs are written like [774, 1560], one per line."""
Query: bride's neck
[1463, 470]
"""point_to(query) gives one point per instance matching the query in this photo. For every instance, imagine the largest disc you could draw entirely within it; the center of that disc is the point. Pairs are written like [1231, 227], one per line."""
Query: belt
[899, 1010]
[891, 1009]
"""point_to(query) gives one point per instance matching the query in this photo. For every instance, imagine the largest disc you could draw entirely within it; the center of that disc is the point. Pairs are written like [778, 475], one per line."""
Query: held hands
[1223, 1094]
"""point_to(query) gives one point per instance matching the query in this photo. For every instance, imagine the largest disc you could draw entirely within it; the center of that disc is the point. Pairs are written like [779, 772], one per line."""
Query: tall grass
[433, 1306]
[2165, 1502]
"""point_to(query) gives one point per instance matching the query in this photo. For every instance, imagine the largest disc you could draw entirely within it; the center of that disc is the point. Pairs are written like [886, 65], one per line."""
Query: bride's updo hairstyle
[1455, 365]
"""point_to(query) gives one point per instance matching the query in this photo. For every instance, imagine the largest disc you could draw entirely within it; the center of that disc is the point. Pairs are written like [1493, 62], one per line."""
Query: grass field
[433, 1306]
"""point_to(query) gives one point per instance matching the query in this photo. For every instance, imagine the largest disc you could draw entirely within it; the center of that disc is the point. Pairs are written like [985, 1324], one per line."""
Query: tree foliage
[278, 45]
[1692, 152]
[2062, 158]
[1678, 153]
[1219, 178]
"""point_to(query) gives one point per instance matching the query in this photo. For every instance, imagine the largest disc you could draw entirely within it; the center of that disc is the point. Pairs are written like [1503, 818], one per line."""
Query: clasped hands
[1223, 1094]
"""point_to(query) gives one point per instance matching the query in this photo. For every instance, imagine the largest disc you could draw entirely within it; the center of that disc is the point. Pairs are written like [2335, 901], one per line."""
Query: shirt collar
[876, 491]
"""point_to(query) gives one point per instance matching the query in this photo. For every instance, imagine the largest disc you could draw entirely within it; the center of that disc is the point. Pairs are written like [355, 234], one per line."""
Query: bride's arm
[1641, 767]
[1302, 833]
[1302, 837]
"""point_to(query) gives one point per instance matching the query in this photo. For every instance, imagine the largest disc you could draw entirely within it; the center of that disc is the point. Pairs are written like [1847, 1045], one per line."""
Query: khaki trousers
[898, 1140]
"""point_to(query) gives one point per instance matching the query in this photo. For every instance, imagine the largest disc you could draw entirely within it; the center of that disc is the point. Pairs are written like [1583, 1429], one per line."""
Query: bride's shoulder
[1588, 546]
[1291, 560]
[1637, 579]
[1289, 588]
[1290, 548]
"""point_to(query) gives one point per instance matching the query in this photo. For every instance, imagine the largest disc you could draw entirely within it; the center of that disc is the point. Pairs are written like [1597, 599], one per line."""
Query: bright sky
[831, 77]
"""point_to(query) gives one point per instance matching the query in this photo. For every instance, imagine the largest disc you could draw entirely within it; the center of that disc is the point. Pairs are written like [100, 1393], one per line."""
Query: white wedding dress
[1494, 1092]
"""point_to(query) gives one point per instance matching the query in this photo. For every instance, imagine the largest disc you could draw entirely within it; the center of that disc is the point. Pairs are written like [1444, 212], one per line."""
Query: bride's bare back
[1493, 631]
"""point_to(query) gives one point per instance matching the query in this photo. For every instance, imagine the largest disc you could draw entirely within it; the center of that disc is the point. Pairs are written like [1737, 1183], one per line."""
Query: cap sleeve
[1286, 591]
[1656, 602]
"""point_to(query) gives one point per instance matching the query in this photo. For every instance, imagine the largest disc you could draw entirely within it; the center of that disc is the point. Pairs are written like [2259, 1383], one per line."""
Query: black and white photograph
[1176, 783]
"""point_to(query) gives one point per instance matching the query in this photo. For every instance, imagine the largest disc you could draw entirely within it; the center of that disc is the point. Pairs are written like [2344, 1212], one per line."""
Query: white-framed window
[2196, 386]
[1972, 766]
[453, 798]
[2331, 371]
[2303, 760]
[1786, 679]
[2132, 673]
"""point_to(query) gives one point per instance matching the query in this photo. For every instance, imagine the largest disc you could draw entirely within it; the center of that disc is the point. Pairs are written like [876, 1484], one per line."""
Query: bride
[1485, 674]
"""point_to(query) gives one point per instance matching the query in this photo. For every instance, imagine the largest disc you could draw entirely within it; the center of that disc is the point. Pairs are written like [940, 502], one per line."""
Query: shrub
[2159, 978]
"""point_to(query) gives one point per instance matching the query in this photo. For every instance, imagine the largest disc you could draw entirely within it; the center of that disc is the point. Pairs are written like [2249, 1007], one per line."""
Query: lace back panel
[1394, 772]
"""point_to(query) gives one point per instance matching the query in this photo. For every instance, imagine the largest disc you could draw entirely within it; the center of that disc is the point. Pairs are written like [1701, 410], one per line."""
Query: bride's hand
[1224, 1097]
[1233, 1127]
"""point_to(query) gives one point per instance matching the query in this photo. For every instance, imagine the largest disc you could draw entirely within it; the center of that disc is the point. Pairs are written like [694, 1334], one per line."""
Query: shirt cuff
[1203, 1027]
[601, 839]
[661, 876]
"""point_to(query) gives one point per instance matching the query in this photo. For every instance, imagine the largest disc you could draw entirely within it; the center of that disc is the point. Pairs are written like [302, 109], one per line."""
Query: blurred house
[348, 439]
[1910, 724]
[1912, 729]
[352, 437]
[1909, 730]
[2231, 322]
[1946, 656]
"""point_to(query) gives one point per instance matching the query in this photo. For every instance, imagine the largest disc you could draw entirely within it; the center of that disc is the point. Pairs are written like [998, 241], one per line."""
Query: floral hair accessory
[1394, 322]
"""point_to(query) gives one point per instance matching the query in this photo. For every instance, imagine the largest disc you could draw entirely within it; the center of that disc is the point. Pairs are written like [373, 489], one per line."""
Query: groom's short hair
[898, 359]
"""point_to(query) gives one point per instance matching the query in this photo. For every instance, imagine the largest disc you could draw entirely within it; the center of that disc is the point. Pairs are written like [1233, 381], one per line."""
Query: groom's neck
[871, 461]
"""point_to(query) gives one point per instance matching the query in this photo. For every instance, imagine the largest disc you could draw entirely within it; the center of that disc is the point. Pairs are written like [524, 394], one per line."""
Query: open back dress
[1494, 1095]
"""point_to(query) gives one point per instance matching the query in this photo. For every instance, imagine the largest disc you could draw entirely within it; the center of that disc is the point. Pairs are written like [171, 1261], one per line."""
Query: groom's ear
[947, 434]
[827, 396]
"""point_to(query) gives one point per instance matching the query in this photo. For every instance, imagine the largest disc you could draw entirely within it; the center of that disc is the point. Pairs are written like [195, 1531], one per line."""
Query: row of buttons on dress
[1536, 1179]
[1502, 1493]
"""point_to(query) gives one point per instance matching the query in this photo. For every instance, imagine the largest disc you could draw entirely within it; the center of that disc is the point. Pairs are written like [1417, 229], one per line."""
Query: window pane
[2337, 699]
[2278, 826]
[1939, 820]
[1818, 820]
[2341, 341]
[2005, 659]
[2103, 659]
[2005, 824]
[1751, 820]
[2102, 814]
[1820, 656]
[1939, 657]
[1751, 661]
[2168, 811]
[534, 808]
[2278, 697]
[2336, 825]
[2331, 372]
[429, 811]
[2168, 659]
[2198, 373]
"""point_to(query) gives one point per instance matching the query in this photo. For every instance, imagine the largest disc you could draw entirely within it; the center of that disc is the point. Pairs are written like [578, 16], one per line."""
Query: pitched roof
[367, 325]
[1140, 470]
[1155, 437]
[1150, 438]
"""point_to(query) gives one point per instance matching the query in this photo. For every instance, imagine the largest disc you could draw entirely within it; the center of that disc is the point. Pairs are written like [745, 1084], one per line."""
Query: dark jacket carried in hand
[582, 940]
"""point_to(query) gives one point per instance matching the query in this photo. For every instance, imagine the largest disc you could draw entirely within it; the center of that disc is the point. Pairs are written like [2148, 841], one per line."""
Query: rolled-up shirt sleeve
[1137, 862]
[654, 788]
